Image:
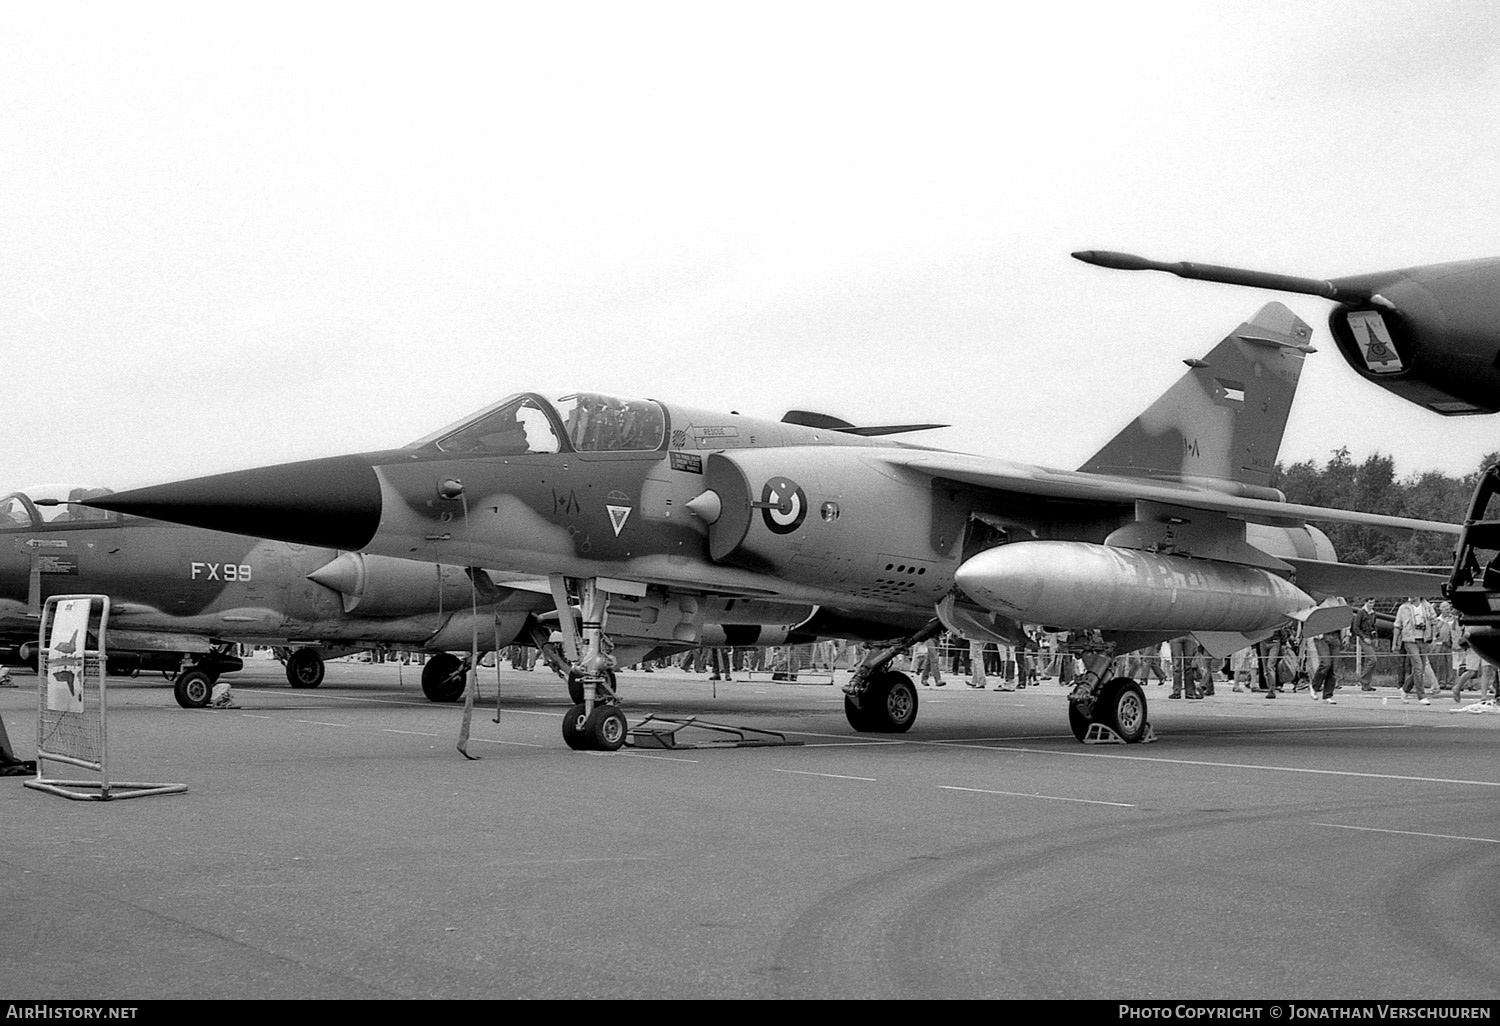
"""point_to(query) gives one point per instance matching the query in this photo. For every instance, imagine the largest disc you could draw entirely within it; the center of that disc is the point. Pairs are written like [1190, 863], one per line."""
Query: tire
[575, 729]
[1122, 708]
[858, 718]
[890, 704]
[606, 728]
[1077, 721]
[304, 668]
[193, 689]
[443, 678]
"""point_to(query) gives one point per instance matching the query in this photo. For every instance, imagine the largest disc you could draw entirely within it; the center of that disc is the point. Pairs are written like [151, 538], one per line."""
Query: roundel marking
[783, 506]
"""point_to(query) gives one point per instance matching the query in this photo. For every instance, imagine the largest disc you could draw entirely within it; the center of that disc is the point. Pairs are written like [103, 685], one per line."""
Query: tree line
[1372, 487]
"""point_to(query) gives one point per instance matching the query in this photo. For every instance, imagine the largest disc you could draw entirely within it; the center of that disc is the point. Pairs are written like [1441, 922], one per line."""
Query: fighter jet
[1428, 334]
[653, 508]
[183, 597]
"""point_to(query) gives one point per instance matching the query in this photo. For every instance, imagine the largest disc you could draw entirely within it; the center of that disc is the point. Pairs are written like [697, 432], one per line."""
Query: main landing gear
[193, 684]
[1107, 711]
[304, 668]
[879, 700]
[444, 678]
[194, 687]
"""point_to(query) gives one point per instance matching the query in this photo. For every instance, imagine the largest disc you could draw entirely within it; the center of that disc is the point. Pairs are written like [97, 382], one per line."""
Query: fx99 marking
[221, 571]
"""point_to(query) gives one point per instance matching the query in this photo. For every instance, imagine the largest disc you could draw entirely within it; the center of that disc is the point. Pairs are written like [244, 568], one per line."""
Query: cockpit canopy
[575, 421]
[19, 510]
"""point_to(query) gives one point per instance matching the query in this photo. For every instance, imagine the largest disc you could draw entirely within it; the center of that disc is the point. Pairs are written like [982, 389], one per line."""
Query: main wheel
[193, 689]
[304, 668]
[575, 729]
[443, 678]
[606, 728]
[1122, 708]
[858, 718]
[889, 706]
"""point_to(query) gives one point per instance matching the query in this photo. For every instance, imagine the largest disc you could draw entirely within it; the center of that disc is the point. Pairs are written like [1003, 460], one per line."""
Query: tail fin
[1223, 419]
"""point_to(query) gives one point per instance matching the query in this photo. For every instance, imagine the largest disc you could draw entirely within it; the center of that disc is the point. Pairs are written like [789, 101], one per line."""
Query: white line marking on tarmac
[496, 741]
[323, 723]
[1306, 730]
[846, 739]
[849, 744]
[809, 773]
[660, 758]
[253, 716]
[1048, 797]
[418, 733]
[1227, 765]
[1408, 833]
[972, 740]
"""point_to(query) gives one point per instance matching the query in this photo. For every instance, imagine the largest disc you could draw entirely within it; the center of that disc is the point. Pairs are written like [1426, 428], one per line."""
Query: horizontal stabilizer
[1321, 578]
[806, 418]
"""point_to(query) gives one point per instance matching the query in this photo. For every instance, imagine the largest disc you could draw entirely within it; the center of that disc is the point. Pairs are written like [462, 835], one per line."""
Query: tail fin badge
[1229, 391]
[1374, 339]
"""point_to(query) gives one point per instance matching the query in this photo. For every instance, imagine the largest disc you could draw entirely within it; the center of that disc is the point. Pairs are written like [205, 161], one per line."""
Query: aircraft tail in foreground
[1224, 419]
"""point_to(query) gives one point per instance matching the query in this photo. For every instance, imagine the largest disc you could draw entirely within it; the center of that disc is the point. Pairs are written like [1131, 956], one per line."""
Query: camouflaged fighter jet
[655, 509]
[1430, 334]
[183, 597]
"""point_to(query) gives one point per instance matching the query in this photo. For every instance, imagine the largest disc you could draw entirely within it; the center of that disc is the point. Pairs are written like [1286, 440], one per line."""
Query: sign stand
[72, 702]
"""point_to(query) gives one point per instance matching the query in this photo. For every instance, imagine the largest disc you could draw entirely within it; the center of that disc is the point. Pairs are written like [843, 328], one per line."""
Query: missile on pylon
[1082, 585]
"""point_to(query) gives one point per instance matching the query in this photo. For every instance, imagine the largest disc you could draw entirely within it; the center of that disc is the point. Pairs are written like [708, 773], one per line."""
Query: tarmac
[333, 843]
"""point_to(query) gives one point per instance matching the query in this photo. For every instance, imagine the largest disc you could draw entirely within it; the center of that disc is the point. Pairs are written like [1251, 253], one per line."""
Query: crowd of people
[1427, 653]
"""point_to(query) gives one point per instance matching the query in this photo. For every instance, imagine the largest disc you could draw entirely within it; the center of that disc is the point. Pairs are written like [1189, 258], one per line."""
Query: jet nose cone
[332, 503]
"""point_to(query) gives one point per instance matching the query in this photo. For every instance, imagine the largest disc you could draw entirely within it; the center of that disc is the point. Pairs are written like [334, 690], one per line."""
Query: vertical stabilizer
[1224, 418]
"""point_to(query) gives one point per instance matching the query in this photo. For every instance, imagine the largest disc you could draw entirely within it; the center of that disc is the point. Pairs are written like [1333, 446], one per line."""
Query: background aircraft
[1170, 529]
[183, 597]
[1430, 334]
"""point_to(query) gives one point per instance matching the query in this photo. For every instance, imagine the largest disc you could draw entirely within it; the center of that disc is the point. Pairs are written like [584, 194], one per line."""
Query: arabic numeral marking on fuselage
[220, 571]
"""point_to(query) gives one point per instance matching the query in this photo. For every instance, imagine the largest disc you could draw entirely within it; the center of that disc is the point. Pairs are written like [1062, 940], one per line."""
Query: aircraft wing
[1024, 480]
[1324, 578]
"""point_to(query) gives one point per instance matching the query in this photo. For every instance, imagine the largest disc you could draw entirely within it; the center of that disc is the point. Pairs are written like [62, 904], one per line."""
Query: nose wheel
[602, 730]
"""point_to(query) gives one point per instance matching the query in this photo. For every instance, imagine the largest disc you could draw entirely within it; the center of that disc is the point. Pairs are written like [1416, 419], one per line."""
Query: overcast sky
[238, 235]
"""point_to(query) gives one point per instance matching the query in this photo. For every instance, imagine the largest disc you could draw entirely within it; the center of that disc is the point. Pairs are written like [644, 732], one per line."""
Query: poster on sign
[65, 645]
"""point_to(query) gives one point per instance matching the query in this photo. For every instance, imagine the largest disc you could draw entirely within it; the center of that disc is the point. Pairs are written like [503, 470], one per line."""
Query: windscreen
[520, 426]
[63, 506]
[14, 514]
[603, 423]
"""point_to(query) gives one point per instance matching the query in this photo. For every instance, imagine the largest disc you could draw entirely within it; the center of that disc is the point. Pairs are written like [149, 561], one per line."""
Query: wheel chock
[1099, 734]
[662, 732]
[1477, 707]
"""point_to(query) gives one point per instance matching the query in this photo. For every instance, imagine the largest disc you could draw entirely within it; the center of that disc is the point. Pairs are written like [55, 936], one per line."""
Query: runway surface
[334, 844]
